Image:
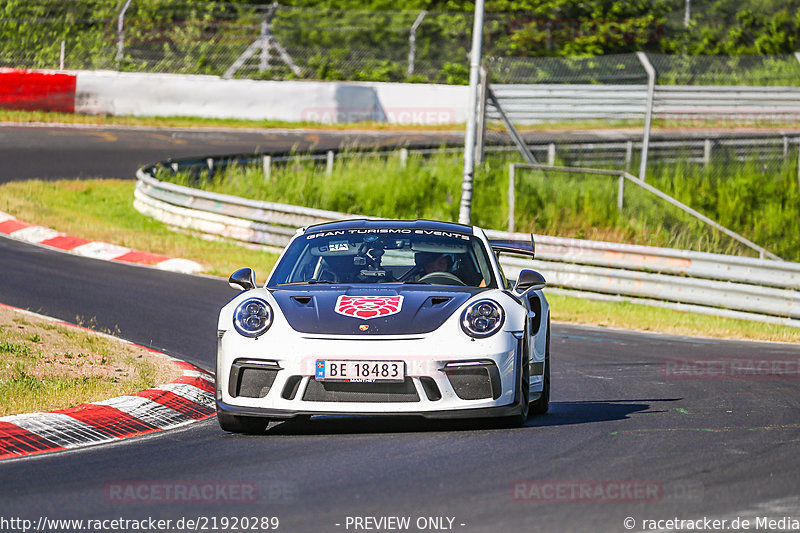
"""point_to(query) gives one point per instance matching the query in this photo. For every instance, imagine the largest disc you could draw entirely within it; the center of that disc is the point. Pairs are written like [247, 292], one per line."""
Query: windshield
[385, 255]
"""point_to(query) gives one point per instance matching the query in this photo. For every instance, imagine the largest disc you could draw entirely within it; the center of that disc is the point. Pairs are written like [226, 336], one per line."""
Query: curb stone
[17, 229]
[188, 399]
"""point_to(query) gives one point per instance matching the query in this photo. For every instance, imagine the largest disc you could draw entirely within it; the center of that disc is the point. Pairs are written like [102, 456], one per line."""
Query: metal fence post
[404, 157]
[797, 55]
[648, 115]
[329, 163]
[265, 42]
[621, 185]
[480, 143]
[412, 42]
[121, 31]
[61, 57]
[267, 162]
[687, 13]
[515, 136]
[707, 152]
[628, 155]
[551, 154]
[511, 207]
[465, 207]
[264, 63]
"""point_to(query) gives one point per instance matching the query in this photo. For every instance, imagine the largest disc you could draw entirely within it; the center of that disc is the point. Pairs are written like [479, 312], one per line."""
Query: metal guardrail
[221, 214]
[739, 287]
[534, 103]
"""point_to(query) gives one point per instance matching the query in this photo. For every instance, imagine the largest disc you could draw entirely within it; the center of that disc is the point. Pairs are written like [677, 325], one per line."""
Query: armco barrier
[533, 103]
[740, 287]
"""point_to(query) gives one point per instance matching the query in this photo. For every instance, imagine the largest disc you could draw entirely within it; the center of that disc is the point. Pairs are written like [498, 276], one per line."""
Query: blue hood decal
[424, 308]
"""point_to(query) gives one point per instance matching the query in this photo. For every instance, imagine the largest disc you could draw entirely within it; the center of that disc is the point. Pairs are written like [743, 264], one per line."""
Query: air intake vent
[251, 378]
[431, 390]
[475, 382]
[302, 300]
[251, 382]
[290, 389]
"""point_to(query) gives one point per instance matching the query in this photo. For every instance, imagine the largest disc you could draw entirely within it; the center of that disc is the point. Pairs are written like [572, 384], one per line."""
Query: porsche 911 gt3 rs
[385, 317]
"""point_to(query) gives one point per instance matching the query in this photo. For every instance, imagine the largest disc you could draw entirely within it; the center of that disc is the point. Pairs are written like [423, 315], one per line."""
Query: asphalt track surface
[620, 422]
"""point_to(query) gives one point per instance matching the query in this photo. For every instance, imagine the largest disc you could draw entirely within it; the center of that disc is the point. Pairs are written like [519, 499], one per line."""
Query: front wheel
[241, 424]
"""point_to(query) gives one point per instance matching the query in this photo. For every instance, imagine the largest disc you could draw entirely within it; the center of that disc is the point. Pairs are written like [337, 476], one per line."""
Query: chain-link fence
[671, 69]
[274, 41]
[262, 41]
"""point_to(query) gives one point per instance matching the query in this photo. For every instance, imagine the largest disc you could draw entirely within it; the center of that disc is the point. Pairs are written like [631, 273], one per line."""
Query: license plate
[355, 371]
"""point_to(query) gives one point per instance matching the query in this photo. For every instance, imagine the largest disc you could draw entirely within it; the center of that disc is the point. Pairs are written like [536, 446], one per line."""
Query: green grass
[48, 117]
[46, 366]
[628, 315]
[761, 203]
[103, 210]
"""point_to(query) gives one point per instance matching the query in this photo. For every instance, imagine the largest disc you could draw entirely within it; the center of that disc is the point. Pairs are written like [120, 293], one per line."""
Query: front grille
[475, 382]
[336, 391]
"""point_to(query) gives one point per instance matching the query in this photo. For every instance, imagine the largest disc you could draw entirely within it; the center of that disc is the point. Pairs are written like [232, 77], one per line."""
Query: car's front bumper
[293, 390]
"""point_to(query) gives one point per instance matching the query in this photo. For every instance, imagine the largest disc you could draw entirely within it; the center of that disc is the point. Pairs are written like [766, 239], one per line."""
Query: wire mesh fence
[716, 154]
[612, 69]
[274, 41]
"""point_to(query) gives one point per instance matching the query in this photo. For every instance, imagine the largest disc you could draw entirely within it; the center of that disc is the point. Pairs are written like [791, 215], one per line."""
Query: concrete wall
[124, 93]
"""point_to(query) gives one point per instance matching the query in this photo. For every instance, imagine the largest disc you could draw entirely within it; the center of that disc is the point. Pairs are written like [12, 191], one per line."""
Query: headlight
[482, 319]
[252, 317]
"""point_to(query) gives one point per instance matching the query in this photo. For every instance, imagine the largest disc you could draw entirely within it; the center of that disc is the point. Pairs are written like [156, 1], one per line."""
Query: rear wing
[521, 247]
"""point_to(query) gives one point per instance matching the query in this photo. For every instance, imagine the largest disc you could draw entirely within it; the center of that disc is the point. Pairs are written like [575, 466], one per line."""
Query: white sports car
[385, 317]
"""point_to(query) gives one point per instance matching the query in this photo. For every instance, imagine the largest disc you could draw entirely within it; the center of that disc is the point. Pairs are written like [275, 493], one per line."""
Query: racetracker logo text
[366, 307]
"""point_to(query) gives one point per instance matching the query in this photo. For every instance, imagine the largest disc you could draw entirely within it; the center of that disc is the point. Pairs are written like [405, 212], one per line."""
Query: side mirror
[530, 280]
[243, 279]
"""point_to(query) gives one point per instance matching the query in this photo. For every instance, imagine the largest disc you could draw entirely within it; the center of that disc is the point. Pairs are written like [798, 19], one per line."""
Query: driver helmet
[424, 258]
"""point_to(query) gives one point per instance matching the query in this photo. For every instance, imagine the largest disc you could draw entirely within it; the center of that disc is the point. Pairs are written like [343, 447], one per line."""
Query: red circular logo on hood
[366, 307]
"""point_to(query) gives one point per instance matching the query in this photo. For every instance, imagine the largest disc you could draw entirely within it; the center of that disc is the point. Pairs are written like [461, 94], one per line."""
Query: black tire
[241, 424]
[541, 405]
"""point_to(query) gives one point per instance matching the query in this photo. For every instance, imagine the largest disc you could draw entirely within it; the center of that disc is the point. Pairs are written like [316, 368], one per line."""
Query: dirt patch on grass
[45, 365]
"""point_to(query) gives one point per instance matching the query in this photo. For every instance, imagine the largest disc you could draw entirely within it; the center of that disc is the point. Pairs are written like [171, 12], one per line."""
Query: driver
[430, 262]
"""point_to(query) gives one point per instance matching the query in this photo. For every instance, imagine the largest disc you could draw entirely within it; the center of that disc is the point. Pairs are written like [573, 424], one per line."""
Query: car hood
[370, 310]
